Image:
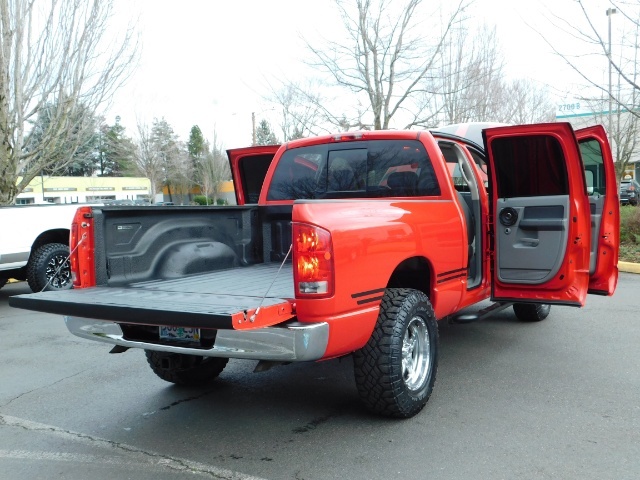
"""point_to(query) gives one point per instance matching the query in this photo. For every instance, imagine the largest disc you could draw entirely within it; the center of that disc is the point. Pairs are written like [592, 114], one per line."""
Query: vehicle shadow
[13, 288]
[302, 397]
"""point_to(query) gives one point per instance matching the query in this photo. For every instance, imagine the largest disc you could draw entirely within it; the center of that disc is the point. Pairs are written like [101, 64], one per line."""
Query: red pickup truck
[350, 244]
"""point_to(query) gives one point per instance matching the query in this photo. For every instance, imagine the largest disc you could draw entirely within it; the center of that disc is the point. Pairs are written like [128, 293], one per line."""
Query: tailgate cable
[255, 314]
[84, 235]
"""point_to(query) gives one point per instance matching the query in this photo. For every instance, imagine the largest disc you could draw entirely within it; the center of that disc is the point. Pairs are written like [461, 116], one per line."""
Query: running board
[479, 315]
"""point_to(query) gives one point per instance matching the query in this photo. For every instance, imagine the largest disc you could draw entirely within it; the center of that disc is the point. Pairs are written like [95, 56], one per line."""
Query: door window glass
[593, 166]
[528, 166]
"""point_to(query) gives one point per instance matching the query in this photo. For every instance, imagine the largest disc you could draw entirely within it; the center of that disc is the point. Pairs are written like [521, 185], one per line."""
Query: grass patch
[630, 234]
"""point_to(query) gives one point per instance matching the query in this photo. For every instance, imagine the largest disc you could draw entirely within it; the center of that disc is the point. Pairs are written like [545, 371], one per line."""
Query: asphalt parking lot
[559, 399]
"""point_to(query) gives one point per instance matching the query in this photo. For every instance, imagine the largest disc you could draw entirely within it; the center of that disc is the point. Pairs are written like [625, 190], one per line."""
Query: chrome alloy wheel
[416, 354]
[58, 272]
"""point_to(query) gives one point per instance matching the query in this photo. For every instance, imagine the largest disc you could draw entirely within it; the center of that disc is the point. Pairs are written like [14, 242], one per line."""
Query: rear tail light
[313, 261]
[81, 244]
[631, 188]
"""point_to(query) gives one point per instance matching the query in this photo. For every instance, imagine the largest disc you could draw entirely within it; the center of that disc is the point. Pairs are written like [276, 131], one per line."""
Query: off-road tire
[181, 369]
[396, 370]
[531, 312]
[49, 268]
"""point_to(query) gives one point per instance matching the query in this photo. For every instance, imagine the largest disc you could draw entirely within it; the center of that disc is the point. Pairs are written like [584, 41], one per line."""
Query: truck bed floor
[210, 300]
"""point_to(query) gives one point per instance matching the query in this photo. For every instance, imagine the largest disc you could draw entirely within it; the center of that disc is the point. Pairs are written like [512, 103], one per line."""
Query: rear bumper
[290, 342]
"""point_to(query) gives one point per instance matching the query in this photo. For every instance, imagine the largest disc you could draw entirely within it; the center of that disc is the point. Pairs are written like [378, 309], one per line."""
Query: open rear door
[540, 214]
[248, 169]
[600, 175]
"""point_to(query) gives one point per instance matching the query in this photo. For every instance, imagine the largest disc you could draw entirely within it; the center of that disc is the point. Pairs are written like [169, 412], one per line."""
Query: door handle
[533, 241]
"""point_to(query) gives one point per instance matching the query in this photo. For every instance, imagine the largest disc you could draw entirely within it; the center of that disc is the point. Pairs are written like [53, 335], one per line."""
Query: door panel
[540, 214]
[605, 209]
[531, 250]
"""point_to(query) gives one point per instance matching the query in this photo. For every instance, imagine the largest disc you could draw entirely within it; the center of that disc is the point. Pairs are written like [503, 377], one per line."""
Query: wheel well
[414, 272]
[59, 235]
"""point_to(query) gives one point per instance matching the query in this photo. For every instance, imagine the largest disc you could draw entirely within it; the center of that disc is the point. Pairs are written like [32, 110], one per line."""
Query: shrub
[630, 224]
[203, 200]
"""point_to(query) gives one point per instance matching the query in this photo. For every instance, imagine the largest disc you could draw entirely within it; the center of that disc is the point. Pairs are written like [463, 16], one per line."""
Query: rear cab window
[360, 169]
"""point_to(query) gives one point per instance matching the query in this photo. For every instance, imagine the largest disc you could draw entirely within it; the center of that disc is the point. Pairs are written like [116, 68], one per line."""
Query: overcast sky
[210, 62]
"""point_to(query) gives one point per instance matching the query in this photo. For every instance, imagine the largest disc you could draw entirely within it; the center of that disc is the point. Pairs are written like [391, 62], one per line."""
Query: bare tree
[301, 109]
[472, 85]
[214, 169]
[524, 101]
[148, 160]
[623, 63]
[613, 103]
[387, 57]
[625, 130]
[466, 83]
[182, 172]
[53, 53]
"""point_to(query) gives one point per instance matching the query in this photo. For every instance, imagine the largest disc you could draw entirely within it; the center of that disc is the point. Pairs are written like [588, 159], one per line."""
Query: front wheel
[396, 370]
[184, 369]
[49, 268]
[531, 312]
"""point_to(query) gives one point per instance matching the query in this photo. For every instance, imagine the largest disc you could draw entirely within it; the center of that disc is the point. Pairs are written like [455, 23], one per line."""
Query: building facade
[580, 114]
[46, 189]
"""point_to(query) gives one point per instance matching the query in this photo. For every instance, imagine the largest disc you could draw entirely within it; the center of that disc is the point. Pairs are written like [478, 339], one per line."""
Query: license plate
[183, 334]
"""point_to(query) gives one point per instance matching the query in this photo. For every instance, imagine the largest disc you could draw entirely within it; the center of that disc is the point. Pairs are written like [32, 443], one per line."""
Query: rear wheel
[185, 369]
[49, 268]
[396, 370]
[531, 312]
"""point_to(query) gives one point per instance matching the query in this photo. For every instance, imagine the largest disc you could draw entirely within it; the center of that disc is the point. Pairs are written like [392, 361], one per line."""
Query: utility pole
[610, 11]
[253, 128]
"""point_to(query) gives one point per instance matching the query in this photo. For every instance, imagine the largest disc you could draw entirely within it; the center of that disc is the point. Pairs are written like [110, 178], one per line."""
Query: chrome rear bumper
[290, 342]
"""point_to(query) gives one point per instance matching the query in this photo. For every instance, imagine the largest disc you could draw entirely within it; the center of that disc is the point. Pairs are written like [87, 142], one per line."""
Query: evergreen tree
[115, 151]
[196, 144]
[165, 143]
[264, 135]
[197, 148]
[74, 154]
[173, 157]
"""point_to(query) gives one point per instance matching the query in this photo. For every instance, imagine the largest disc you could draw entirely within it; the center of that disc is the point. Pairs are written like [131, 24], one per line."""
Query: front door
[248, 170]
[600, 175]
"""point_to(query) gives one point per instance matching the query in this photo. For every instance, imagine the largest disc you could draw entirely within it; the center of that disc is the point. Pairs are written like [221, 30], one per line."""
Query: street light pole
[610, 11]
[253, 129]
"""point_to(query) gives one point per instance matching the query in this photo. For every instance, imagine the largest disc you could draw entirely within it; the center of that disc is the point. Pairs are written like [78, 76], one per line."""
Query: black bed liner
[220, 299]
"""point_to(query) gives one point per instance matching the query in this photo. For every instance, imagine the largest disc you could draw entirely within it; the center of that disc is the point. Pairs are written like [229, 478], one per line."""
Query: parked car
[629, 192]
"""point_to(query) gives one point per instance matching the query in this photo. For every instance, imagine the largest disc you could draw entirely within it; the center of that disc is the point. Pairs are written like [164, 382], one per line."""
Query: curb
[628, 267]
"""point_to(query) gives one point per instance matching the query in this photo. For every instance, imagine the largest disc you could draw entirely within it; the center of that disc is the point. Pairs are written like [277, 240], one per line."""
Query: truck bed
[207, 300]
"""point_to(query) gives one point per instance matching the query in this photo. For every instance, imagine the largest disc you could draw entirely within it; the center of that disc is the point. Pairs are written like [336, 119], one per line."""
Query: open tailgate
[225, 299]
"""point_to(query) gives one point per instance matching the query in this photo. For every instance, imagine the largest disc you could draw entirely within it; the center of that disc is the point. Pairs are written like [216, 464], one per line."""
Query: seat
[427, 182]
[341, 180]
[471, 225]
[403, 184]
